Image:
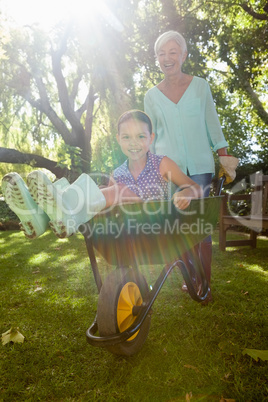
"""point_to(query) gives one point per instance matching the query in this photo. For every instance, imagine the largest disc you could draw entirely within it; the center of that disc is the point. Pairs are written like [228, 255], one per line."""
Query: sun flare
[48, 13]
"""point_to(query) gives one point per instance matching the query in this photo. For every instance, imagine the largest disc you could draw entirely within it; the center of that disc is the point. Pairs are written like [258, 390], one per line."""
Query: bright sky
[31, 11]
[48, 12]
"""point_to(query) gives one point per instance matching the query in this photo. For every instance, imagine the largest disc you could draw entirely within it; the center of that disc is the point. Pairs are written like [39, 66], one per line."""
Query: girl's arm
[118, 193]
[170, 171]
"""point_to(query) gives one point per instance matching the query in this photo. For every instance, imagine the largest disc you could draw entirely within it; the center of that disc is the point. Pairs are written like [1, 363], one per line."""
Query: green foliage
[70, 157]
[5, 212]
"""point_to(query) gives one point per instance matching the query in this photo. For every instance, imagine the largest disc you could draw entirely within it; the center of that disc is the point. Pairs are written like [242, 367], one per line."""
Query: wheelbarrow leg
[191, 258]
[85, 229]
[206, 257]
[201, 252]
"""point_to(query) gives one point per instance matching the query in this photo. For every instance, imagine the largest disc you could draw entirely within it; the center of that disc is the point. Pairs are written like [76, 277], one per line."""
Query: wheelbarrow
[131, 235]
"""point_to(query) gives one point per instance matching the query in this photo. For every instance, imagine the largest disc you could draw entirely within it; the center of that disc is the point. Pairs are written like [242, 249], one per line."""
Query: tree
[59, 82]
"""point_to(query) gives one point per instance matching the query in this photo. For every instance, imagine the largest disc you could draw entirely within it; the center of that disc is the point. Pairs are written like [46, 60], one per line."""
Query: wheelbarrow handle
[220, 183]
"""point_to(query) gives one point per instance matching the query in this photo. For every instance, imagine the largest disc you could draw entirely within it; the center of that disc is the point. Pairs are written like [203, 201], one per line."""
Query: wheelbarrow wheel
[123, 289]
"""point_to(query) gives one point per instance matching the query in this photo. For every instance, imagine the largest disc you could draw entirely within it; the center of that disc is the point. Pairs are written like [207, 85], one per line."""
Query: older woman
[185, 121]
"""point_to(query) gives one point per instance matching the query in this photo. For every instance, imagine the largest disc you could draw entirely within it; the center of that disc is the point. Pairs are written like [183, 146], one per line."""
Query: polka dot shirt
[150, 185]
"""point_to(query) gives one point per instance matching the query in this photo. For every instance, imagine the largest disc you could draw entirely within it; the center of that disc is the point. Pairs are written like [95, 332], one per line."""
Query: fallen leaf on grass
[256, 354]
[226, 376]
[12, 335]
[191, 367]
[188, 396]
[244, 292]
[226, 400]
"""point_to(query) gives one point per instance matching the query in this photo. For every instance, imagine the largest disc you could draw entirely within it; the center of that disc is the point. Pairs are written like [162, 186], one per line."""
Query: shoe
[33, 220]
[68, 206]
[61, 184]
[47, 196]
[82, 200]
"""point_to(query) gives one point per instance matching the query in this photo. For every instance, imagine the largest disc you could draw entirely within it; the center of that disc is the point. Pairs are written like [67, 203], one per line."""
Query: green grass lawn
[192, 352]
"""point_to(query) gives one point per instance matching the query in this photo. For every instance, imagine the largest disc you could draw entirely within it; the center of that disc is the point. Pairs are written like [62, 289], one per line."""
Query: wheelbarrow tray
[153, 232]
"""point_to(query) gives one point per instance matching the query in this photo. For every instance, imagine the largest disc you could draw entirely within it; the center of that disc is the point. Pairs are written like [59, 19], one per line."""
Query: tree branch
[64, 97]
[255, 101]
[247, 88]
[250, 11]
[8, 155]
[43, 105]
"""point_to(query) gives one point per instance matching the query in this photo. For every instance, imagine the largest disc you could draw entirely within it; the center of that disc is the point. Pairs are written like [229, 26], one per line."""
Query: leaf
[12, 335]
[188, 396]
[256, 354]
[191, 367]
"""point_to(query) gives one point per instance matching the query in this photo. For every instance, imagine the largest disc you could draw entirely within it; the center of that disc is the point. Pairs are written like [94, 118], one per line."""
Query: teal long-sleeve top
[188, 131]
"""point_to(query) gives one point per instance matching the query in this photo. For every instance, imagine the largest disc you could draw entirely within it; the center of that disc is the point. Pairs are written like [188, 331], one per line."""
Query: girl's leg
[68, 206]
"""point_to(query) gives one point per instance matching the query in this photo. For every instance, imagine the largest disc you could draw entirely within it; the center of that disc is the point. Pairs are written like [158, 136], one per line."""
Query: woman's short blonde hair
[166, 37]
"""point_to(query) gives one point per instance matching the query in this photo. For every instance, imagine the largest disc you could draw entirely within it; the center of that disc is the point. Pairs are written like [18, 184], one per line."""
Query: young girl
[143, 176]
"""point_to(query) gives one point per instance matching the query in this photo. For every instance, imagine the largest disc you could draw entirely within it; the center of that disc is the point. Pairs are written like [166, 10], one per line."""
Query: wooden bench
[256, 221]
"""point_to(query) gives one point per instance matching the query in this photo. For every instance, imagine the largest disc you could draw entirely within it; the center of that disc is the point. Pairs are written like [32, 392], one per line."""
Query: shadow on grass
[253, 256]
[40, 281]
[46, 251]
